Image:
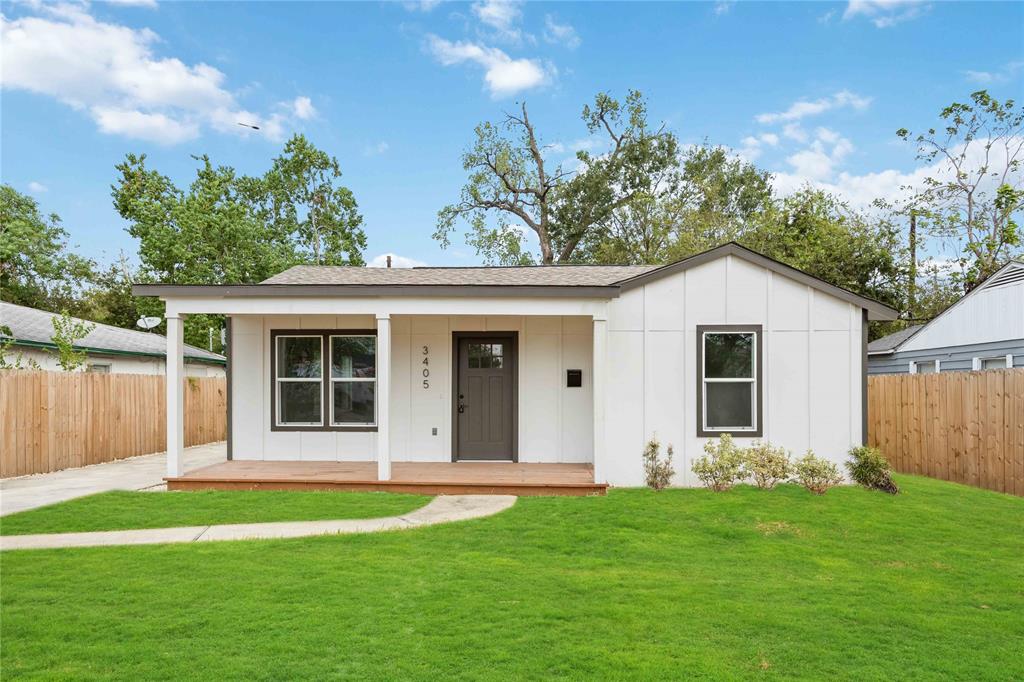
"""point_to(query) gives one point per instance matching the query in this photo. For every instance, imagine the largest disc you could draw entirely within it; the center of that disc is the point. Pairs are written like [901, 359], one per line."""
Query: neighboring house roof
[1011, 273]
[597, 281]
[31, 327]
[888, 344]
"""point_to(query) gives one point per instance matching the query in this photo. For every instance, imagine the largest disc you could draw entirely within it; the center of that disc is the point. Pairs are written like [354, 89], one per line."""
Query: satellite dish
[148, 322]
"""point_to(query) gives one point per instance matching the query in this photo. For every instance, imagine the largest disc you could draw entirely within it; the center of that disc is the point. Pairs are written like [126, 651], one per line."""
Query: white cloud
[723, 6]
[1003, 75]
[503, 75]
[794, 132]
[886, 13]
[502, 16]
[752, 146]
[132, 3]
[803, 108]
[110, 72]
[891, 184]
[376, 149]
[37, 187]
[397, 261]
[560, 34]
[818, 161]
[303, 108]
[421, 5]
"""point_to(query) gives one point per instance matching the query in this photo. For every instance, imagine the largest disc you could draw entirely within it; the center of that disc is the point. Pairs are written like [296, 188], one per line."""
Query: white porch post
[383, 396]
[175, 365]
[599, 373]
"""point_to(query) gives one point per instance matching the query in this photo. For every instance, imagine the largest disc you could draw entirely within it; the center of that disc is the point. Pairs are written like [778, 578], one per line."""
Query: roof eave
[372, 290]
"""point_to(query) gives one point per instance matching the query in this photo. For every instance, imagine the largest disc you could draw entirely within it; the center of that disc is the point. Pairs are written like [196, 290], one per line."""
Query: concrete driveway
[136, 473]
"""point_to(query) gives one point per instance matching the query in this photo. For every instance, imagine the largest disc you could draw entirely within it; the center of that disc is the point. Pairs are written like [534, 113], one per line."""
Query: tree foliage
[976, 189]
[512, 187]
[37, 269]
[227, 228]
[67, 332]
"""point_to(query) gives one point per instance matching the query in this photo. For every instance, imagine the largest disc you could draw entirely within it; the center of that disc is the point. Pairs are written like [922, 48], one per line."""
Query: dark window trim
[513, 336]
[757, 329]
[325, 382]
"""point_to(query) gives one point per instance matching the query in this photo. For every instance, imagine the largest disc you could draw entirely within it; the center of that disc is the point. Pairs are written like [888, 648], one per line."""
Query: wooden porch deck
[426, 478]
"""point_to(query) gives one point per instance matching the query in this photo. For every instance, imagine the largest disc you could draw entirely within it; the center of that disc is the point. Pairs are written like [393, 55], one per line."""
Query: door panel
[485, 398]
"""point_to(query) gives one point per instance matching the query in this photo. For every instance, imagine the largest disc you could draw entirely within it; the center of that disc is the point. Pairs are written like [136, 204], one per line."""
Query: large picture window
[729, 375]
[324, 380]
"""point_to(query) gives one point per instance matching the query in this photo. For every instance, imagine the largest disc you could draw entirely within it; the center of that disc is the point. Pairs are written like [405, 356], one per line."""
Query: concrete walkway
[136, 473]
[441, 509]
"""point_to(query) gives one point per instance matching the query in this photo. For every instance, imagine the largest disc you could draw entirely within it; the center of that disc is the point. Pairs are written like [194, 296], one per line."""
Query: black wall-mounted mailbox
[574, 378]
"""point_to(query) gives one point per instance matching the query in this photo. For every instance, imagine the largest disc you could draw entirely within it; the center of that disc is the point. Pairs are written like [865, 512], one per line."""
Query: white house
[108, 349]
[381, 375]
[983, 330]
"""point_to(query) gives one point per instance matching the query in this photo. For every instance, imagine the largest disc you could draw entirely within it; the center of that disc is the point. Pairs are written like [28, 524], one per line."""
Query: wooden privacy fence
[56, 420]
[966, 427]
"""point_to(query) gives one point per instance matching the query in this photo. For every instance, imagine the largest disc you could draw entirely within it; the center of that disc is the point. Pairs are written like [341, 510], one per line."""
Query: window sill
[324, 429]
[701, 433]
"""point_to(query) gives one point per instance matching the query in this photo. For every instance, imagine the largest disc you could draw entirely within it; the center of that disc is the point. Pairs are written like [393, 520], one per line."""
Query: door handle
[462, 406]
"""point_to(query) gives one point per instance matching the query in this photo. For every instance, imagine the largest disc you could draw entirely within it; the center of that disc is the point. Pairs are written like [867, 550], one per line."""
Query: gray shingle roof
[35, 326]
[890, 342]
[531, 275]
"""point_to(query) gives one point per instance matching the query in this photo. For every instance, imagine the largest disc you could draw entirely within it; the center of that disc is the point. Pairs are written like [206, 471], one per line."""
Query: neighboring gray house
[110, 350]
[983, 330]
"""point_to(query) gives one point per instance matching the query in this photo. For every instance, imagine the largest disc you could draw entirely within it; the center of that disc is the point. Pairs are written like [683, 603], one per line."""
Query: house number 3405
[426, 367]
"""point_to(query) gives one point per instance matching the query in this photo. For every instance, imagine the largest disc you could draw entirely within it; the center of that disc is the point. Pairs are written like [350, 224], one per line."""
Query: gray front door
[485, 397]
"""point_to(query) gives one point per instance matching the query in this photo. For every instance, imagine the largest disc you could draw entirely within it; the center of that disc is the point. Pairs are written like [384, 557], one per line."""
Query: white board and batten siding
[811, 383]
[555, 422]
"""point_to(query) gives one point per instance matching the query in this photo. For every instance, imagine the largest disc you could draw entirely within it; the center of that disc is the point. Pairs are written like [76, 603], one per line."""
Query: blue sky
[812, 91]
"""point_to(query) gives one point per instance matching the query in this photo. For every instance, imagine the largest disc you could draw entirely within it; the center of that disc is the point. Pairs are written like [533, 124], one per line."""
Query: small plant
[658, 473]
[66, 332]
[10, 359]
[816, 474]
[869, 468]
[722, 464]
[767, 465]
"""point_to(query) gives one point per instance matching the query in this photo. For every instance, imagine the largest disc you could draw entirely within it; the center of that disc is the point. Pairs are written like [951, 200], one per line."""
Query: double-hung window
[324, 380]
[353, 380]
[299, 380]
[729, 376]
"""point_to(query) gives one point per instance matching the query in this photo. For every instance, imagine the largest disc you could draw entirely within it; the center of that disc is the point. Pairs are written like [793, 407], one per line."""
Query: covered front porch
[426, 478]
[395, 394]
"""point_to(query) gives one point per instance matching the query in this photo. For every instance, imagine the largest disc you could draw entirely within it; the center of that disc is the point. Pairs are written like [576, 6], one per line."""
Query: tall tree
[228, 228]
[304, 198]
[975, 191]
[511, 182]
[36, 267]
[820, 234]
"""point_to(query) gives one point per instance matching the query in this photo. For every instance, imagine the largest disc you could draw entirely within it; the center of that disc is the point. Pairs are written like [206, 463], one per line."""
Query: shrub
[816, 474]
[869, 468]
[721, 466]
[767, 465]
[658, 473]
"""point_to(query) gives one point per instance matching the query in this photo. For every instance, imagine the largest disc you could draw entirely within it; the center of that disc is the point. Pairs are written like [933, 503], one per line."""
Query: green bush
[721, 466]
[658, 473]
[816, 474]
[869, 468]
[767, 465]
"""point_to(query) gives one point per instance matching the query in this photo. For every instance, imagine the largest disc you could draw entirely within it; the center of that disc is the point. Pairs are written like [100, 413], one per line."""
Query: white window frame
[915, 365]
[99, 367]
[979, 362]
[755, 389]
[278, 380]
[350, 380]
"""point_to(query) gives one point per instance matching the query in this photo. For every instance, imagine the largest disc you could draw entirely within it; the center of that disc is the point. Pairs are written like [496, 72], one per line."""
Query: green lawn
[121, 509]
[684, 583]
